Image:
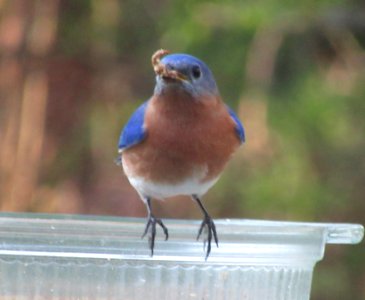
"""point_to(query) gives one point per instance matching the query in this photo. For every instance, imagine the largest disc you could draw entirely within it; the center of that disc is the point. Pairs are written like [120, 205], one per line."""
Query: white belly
[191, 186]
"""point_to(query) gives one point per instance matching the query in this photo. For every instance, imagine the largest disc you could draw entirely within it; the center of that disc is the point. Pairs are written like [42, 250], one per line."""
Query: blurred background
[72, 72]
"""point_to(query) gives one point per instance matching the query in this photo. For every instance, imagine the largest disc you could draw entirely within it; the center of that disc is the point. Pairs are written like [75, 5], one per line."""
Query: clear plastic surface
[74, 257]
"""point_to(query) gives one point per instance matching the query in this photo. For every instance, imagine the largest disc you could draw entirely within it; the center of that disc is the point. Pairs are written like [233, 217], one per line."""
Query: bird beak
[174, 76]
[162, 70]
[179, 76]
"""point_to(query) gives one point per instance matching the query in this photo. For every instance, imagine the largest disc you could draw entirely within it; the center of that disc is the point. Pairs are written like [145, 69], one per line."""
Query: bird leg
[151, 226]
[207, 224]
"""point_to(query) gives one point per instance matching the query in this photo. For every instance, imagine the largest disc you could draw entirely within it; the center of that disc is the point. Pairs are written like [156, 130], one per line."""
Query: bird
[179, 141]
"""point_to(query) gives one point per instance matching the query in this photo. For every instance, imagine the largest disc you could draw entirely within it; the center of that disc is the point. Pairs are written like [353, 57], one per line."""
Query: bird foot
[209, 231]
[151, 230]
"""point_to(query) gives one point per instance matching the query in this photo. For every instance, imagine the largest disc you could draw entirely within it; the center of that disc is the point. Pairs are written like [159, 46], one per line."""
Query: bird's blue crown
[200, 80]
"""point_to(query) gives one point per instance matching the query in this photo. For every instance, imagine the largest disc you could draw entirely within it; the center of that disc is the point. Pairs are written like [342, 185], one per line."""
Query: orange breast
[183, 137]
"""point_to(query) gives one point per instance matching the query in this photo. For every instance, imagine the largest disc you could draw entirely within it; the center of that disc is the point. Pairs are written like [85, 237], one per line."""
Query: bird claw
[151, 229]
[209, 227]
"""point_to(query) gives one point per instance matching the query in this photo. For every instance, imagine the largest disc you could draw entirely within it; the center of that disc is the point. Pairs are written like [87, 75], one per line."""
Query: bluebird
[179, 141]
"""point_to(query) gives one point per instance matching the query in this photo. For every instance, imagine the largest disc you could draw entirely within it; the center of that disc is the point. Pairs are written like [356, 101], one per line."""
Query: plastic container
[73, 257]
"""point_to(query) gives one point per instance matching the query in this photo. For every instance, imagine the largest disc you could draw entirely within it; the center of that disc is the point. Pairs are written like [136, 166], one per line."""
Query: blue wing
[134, 131]
[240, 131]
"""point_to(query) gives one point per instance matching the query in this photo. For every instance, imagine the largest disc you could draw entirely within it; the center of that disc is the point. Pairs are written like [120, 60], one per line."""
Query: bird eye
[196, 72]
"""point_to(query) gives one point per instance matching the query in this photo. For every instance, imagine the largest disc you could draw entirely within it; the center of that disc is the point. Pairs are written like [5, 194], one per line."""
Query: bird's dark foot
[151, 230]
[208, 227]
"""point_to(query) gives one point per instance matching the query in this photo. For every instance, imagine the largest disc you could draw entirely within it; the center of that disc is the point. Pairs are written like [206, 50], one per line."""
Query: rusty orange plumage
[178, 142]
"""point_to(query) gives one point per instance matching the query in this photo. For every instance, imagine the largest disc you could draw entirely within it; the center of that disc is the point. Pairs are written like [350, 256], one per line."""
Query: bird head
[183, 72]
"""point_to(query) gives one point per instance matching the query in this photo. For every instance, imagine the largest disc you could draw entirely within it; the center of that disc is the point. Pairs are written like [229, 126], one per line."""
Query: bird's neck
[181, 102]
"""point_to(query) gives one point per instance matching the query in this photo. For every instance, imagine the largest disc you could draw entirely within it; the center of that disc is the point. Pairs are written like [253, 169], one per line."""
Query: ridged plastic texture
[72, 257]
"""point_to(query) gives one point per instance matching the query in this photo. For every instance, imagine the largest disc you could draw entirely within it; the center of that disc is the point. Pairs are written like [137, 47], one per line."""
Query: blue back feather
[134, 131]
[239, 127]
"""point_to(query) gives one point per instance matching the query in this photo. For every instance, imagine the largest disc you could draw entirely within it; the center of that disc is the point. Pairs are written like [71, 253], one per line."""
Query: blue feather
[134, 132]
[240, 131]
